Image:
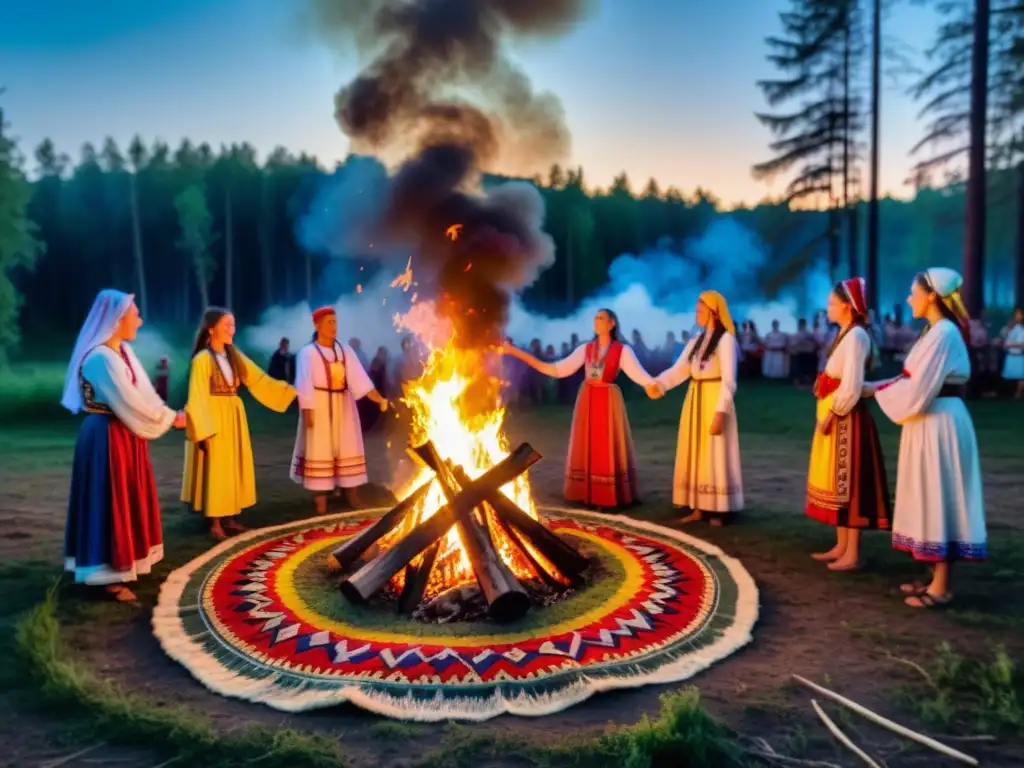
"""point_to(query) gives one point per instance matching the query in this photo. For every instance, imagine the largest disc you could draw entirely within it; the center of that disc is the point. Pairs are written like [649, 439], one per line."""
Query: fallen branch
[765, 752]
[74, 756]
[843, 738]
[885, 723]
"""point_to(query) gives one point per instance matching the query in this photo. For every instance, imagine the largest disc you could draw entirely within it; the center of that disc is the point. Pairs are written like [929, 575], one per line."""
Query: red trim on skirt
[135, 509]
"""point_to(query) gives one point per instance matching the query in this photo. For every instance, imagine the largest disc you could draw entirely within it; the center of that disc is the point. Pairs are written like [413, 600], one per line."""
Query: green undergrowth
[982, 695]
[683, 734]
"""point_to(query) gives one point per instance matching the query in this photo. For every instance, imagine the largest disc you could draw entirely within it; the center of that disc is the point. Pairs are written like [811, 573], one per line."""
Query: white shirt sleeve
[855, 347]
[630, 366]
[910, 395]
[304, 384]
[567, 366]
[107, 373]
[728, 354]
[355, 375]
[680, 370]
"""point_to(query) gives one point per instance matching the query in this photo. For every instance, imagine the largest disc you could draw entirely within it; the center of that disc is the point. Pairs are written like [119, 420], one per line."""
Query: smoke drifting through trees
[423, 58]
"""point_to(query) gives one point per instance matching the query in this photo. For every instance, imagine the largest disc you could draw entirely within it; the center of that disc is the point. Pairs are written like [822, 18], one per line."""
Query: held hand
[307, 416]
[718, 424]
[825, 427]
[383, 404]
[654, 391]
[868, 390]
[179, 420]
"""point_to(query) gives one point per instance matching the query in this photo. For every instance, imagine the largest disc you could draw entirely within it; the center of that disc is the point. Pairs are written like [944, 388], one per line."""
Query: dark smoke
[425, 60]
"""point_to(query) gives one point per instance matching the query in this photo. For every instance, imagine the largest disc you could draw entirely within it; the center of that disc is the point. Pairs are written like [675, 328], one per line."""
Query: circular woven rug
[260, 618]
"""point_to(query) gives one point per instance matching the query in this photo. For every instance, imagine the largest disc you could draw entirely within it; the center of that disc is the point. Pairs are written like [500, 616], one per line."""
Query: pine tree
[18, 244]
[817, 56]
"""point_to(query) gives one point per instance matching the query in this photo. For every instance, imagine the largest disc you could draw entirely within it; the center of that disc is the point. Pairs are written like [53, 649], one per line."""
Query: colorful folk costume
[330, 381]
[113, 532]
[708, 477]
[847, 485]
[600, 468]
[219, 479]
[940, 513]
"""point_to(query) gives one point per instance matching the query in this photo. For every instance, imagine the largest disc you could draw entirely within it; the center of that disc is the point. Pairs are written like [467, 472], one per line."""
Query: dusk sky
[662, 88]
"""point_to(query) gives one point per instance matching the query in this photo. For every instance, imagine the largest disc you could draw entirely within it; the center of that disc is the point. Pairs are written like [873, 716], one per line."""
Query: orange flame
[453, 232]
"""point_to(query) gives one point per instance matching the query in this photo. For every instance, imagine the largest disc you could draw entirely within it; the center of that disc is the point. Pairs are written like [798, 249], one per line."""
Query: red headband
[321, 313]
[856, 290]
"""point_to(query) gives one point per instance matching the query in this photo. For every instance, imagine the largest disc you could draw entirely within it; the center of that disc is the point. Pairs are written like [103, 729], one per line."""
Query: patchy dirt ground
[846, 629]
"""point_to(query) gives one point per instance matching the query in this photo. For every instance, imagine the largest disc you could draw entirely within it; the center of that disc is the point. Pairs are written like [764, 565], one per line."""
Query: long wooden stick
[843, 738]
[885, 723]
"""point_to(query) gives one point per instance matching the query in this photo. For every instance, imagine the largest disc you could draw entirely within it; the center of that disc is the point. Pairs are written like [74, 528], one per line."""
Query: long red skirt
[113, 529]
[600, 469]
[847, 485]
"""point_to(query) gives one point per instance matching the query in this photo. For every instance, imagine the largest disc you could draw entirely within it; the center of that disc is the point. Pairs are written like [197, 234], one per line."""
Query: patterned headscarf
[716, 302]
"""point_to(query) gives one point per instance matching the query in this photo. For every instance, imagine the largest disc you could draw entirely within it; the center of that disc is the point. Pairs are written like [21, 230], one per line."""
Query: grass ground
[89, 676]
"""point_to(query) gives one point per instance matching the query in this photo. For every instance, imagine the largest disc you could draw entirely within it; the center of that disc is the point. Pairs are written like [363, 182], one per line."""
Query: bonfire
[466, 537]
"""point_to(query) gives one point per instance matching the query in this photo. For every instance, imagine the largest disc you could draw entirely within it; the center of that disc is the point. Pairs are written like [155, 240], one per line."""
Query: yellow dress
[219, 479]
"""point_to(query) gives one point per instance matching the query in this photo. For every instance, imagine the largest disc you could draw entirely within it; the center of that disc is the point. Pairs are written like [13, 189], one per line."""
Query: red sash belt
[825, 385]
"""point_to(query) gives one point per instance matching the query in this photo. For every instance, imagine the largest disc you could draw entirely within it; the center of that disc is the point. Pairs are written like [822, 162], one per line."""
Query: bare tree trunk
[876, 92]
[183, 308]
[140, 268]
[1020, 235]
[229, 248]
[569, 263]
[851, 213]
[264, 239]
[974, 222]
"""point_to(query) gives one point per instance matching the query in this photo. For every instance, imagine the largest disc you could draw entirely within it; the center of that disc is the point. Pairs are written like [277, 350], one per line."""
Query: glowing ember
[453, 232]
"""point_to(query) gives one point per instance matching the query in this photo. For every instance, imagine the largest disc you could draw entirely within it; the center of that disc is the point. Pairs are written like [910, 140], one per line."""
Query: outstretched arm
[679, 372]
[560, 369]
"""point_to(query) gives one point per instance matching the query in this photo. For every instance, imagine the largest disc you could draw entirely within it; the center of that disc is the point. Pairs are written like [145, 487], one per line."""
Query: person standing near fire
[219, 479]
[330, 380]
[847, 487]
[600, 469]
[708, 479]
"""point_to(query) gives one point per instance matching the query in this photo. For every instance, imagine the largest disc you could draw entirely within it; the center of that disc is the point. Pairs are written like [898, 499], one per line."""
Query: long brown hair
[211, 317]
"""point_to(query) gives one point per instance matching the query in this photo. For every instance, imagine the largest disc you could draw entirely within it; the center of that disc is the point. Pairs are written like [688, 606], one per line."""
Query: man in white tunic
[776, 354]
[330, 379]
[939, 510]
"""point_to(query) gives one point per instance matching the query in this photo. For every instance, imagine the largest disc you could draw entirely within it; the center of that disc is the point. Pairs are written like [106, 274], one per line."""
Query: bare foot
[234, 525]
[845, 564]
[716, 522]
[121, 593]
[827, 557]
[352, 498]
[217, 531]
[929, 600]
[693, 517]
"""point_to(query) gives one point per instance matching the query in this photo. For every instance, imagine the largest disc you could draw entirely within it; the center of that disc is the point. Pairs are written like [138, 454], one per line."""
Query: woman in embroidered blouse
[114, 532]
[708, 477]
[847, 485]
[219, 479]
[600, 468]
[940, 512]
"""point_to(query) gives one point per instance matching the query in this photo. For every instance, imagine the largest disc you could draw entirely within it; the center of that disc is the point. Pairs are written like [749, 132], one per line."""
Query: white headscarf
[944, 280]
[107, 311]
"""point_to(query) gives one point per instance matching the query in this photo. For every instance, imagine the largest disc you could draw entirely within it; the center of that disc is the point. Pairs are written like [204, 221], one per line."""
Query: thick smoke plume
[439, 89]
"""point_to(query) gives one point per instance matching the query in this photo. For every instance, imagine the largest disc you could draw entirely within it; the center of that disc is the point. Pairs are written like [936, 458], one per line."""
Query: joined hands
[654, 390]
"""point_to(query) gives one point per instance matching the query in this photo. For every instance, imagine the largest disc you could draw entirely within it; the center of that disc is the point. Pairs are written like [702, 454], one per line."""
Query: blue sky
[662, 88]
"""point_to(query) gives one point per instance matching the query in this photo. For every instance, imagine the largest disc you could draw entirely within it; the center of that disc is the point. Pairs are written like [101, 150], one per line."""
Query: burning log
[345, 556]
[417, 577]
[373, 576]
[505, 596]
[549, 544]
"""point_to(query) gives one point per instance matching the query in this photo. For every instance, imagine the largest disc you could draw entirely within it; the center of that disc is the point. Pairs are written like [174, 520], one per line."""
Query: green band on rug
[259, 617]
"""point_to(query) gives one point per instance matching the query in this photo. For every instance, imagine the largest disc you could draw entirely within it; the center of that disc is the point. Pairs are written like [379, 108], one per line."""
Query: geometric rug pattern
[259, 618]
